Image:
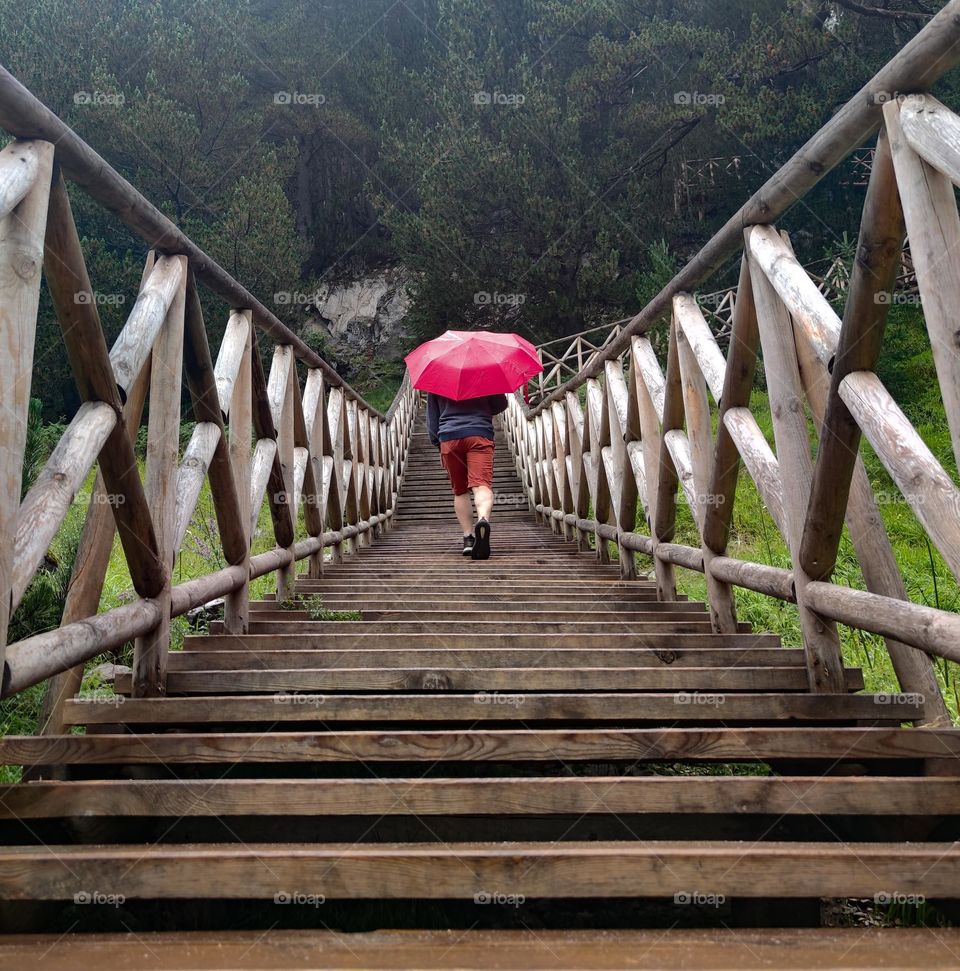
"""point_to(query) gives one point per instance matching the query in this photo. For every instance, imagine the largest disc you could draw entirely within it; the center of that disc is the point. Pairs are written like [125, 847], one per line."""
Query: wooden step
[466, 870]
[525, 745]
[516, 609]
[362, 638]
[593, 795]
[454, 677]
[849, 949]
[195, 658]
[557, 625]
[485, 706]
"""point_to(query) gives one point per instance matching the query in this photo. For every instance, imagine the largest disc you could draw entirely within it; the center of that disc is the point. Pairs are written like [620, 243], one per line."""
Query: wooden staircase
[490, 735]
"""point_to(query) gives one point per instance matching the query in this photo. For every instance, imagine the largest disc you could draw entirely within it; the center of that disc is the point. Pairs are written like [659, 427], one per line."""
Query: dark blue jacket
[448, 419]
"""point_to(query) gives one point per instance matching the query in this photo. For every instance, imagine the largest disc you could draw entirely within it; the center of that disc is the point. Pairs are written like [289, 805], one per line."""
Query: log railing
[832, 277]
[316, 448]
[626, 430]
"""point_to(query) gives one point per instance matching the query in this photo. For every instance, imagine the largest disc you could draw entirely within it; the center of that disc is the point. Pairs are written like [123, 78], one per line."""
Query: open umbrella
[464, 364]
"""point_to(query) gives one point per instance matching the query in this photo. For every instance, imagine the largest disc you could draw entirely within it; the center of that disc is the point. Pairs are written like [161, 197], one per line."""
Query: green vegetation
[907, 370]
[518, 158]
[316, 610]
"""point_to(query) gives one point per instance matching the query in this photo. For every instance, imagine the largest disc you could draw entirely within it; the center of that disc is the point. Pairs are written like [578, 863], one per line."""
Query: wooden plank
[456, 677]
[788, 949]
[588, 795]
[537, 745]
[482, 706]
[197, 659]
[462, 870]
[21, 259]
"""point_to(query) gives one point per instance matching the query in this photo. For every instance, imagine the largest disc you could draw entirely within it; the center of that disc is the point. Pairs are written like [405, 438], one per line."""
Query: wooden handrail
[320, 448]
[628, 445]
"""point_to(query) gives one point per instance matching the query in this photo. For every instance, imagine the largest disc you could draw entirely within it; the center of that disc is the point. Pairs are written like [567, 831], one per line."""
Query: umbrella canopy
[470, 364]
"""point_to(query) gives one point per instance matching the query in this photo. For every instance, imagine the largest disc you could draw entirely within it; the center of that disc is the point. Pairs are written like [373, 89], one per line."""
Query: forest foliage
[520, 158]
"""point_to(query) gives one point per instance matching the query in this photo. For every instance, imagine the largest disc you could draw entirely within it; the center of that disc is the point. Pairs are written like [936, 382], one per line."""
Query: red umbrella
[464, 364]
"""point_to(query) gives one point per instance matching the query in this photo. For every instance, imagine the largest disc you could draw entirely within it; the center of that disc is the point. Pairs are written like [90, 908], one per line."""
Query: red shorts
[469, 463]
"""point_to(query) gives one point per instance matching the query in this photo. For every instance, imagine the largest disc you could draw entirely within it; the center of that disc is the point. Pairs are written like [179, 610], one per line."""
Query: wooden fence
[638, 433]
[314, 448]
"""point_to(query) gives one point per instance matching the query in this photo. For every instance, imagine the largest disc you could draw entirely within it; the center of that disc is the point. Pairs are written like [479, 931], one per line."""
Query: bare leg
[464, 511]
[483, 498]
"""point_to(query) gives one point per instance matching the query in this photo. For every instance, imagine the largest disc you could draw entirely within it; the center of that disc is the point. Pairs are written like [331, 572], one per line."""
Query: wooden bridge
[549, 759]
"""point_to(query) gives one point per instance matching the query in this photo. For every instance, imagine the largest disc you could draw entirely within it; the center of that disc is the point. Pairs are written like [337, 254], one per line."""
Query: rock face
[367, 314]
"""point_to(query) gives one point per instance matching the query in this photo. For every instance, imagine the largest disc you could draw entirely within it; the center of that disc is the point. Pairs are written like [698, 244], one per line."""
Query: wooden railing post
[333, 450]
[163, 450]
[597, 425]
[821, 641]
[617, 466]
[720, 599]
[649, 389]
[21, 260]
[280, 389]
[238, 398]
[314, 414]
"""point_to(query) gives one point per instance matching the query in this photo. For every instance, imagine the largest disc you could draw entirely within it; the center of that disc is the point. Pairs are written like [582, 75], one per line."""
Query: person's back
[463, 431]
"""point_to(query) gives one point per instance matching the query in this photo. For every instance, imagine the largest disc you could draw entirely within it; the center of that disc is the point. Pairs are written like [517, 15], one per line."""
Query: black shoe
[481, 548]
[468, 544]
